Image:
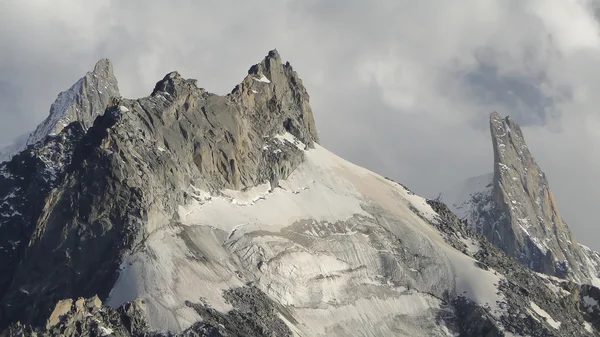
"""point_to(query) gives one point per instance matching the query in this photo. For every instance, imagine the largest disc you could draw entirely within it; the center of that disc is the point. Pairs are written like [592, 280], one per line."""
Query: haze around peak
[403, 89]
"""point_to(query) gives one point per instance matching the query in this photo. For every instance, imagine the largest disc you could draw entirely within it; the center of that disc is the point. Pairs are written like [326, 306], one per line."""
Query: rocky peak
[517, 210]
[278, 87]
[83, 102]
[175, 85]
[180, 212]
[505, 131]
[514, 166]
[104, 68]
[156, 153]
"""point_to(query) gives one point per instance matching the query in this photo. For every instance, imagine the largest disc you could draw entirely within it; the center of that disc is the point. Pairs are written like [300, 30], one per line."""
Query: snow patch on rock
[542, 313]
[262, 78]
[308, 244]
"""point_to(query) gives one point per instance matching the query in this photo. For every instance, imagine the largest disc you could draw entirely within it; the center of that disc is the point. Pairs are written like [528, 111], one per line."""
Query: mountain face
[83, 102]
[515, 209]
[191, 214]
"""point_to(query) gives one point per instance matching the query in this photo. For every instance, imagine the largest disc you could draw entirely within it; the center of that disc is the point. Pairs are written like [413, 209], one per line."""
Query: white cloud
[568, 21]
[399, 81]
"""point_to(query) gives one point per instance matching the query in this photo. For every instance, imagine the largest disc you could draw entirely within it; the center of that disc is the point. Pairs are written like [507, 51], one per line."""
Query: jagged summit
[83, 102]
[509, 146]
[516, 210]
[171, 144]
[104, 68]
[174, 84]
[272, 81]
[272, 60]
[534, 231]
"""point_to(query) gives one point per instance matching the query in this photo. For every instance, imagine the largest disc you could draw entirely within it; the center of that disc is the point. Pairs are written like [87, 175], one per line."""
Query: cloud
[401, 87]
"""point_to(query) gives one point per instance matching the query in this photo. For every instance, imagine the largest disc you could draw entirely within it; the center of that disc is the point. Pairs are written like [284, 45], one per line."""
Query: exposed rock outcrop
[517, 212]
[253, 315]
[91, 196]
[82, 103]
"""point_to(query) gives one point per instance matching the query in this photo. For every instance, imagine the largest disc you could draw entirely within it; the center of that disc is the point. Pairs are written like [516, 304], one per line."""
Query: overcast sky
[403, 88]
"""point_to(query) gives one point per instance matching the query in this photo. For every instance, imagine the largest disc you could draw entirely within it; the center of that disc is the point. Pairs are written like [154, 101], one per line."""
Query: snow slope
[346, 251]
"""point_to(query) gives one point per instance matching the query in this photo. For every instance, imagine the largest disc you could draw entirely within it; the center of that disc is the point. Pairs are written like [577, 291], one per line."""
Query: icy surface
[545, 315]
[588, 327]
[473, 246]
[106, 331]
[324, 244]
[592, 260]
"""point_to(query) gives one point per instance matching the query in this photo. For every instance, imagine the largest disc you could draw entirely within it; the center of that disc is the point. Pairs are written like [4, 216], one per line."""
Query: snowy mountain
[82, 102]
[515, 209]
[207, 215]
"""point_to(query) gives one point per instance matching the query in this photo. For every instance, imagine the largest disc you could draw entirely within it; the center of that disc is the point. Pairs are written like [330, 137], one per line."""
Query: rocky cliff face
[82, 103]
[192, 214]
[515, 210]
[93, 195]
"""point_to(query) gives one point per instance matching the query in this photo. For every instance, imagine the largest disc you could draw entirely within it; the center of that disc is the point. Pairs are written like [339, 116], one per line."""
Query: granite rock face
[186, 213]
[533, 231]
[82, 103]
[515, 209]
[28, 185]
[78, 200]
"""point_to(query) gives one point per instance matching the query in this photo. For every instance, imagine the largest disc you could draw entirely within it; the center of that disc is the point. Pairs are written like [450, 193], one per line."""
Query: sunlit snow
[306, 244]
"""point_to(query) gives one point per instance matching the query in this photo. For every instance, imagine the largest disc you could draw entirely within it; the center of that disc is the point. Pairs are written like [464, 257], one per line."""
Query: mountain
[515, 209]
[187, 213]
[7, 151]
[82, 102]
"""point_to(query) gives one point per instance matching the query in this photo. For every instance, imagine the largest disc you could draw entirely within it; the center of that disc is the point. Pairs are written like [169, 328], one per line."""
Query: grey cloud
[521, 95]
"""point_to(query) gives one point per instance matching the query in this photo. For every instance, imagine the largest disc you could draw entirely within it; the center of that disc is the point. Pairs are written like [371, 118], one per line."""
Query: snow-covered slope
[324, 244]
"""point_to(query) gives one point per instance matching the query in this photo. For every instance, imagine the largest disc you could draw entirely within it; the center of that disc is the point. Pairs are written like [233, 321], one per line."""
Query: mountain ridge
[226, 151]
[82, 102]
[194, 214]
[88, 95]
